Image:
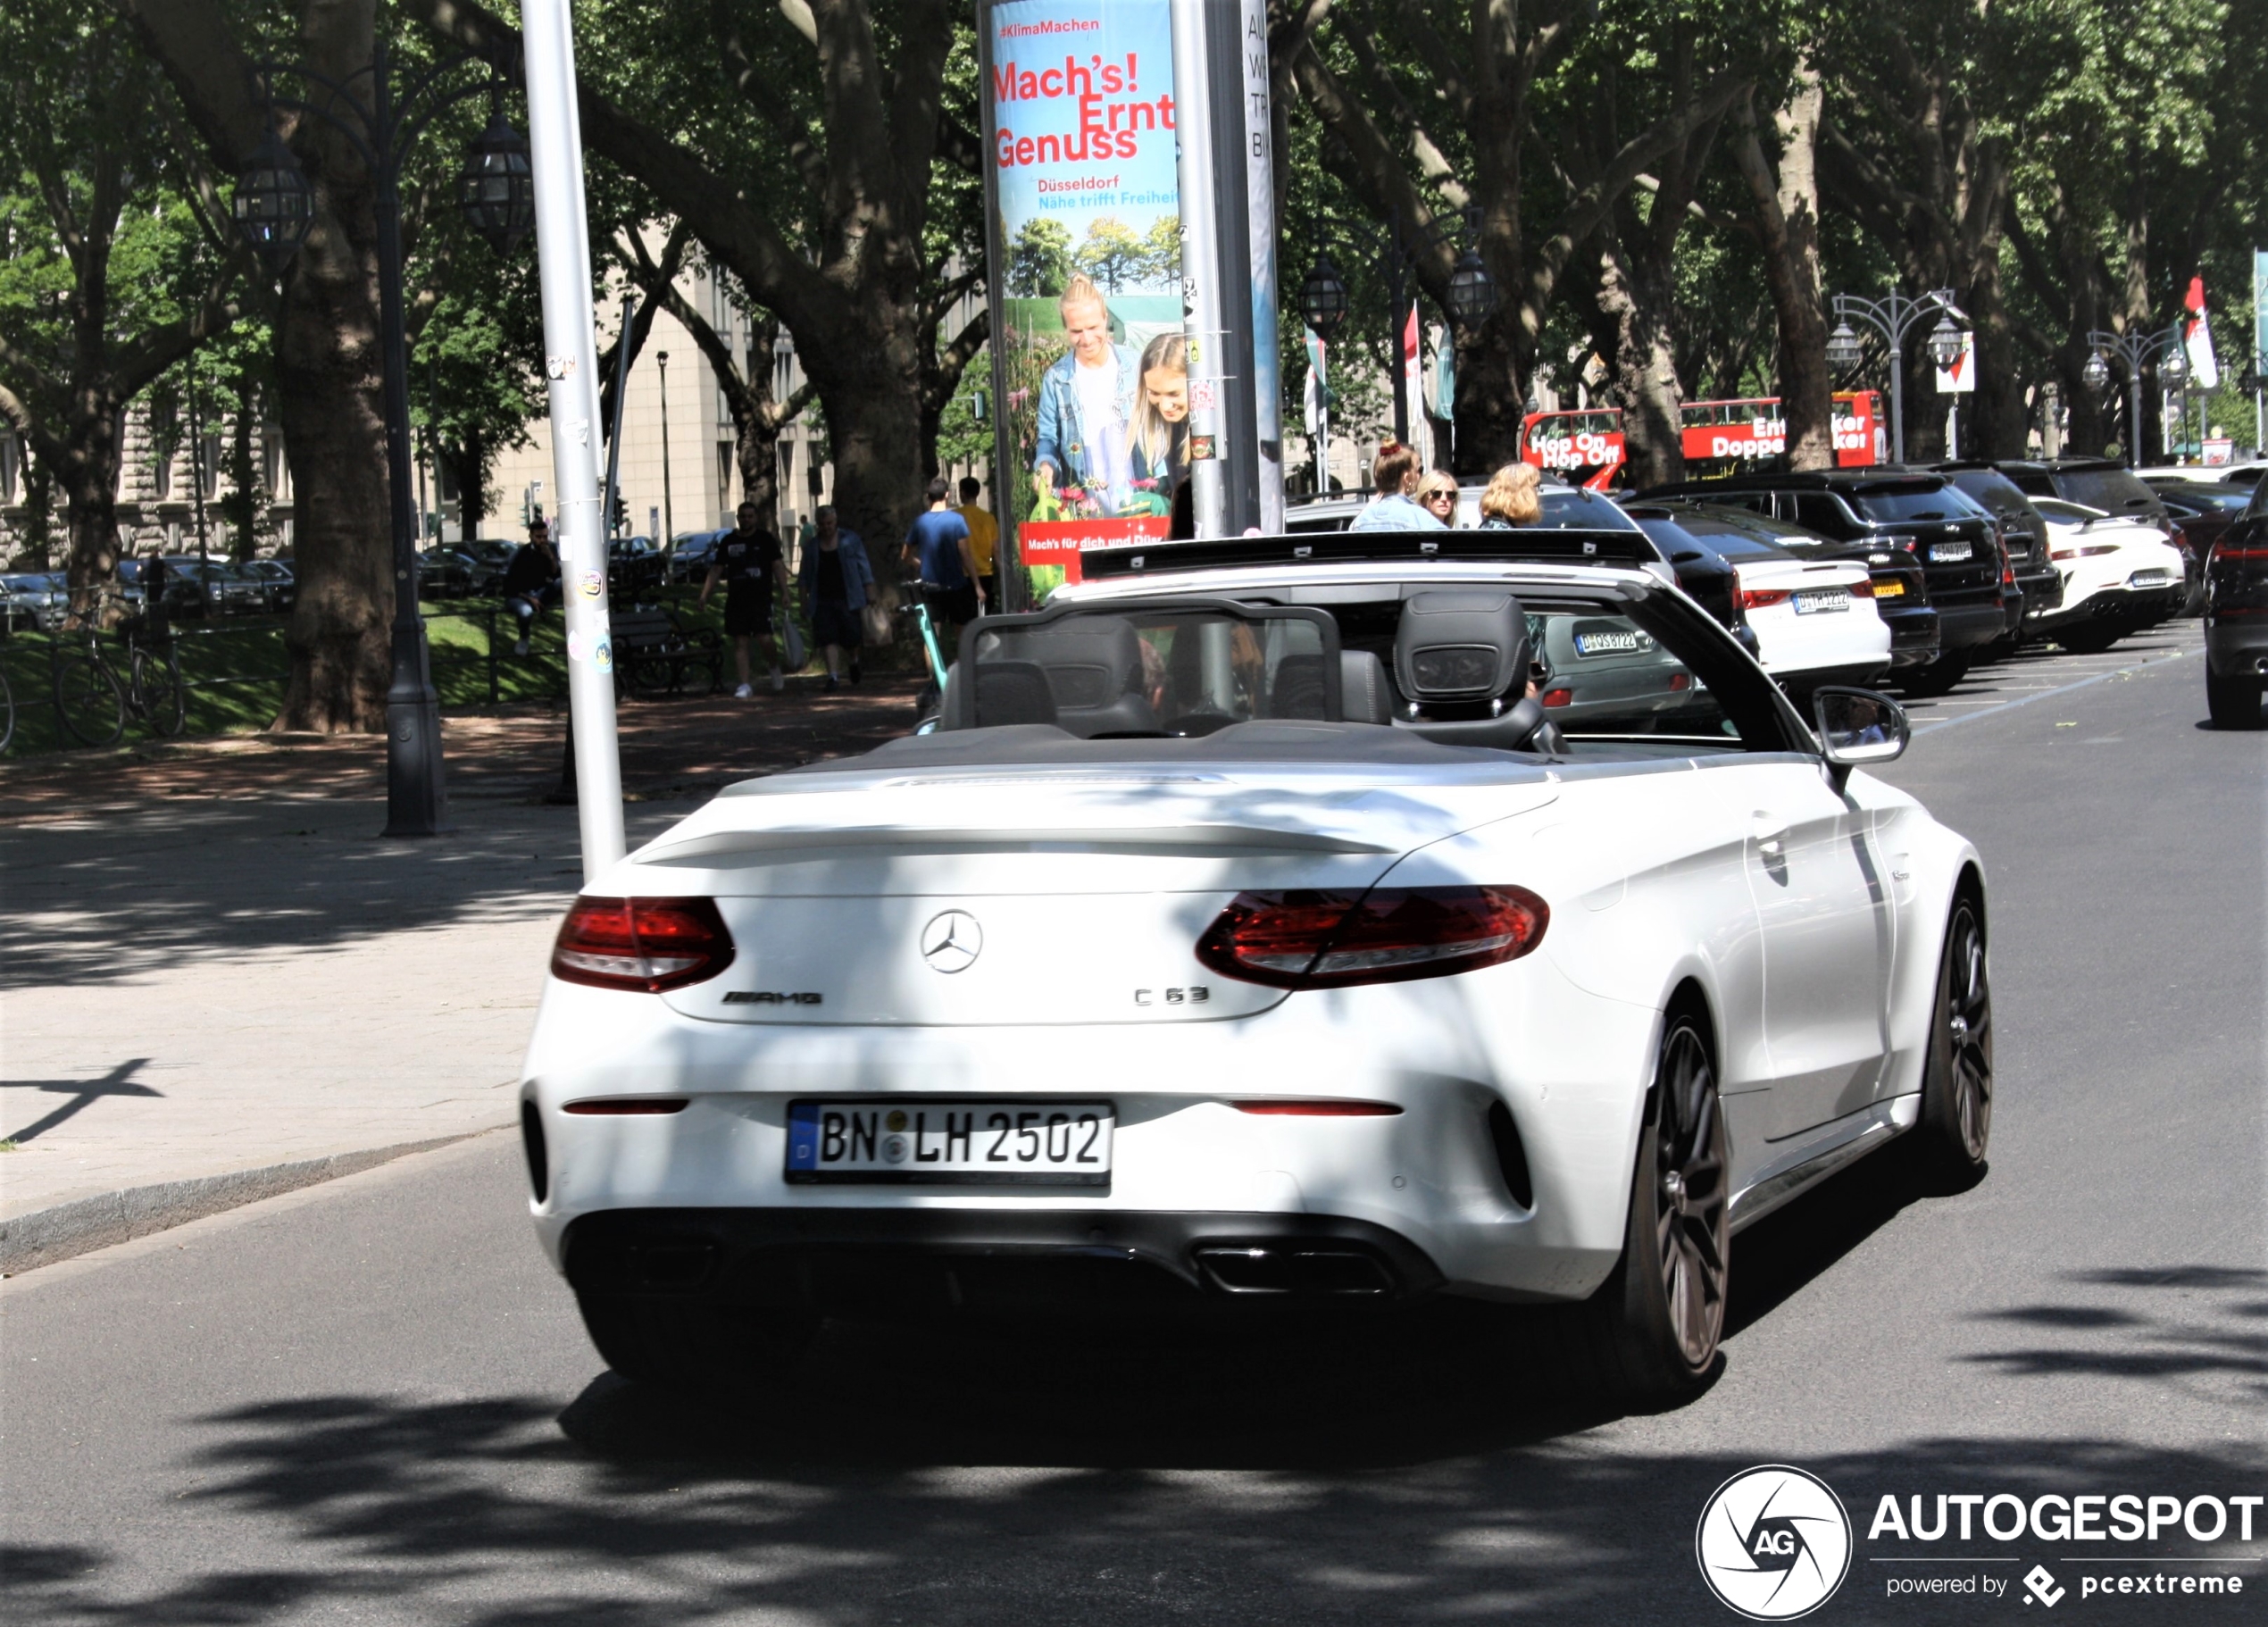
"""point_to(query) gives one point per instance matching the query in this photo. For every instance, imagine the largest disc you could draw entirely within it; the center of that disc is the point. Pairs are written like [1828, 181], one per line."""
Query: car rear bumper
[1914, 634]
[1965, 627]
[900, 1263]
[2236, 647]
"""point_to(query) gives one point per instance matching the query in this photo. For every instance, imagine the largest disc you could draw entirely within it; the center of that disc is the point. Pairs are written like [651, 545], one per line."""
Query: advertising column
[1090, 365]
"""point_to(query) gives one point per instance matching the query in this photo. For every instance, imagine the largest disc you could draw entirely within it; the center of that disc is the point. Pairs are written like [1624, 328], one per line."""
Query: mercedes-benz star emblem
[952, 941]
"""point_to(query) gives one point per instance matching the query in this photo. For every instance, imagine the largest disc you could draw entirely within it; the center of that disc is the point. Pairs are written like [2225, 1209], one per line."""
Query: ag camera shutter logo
[1773, 1543]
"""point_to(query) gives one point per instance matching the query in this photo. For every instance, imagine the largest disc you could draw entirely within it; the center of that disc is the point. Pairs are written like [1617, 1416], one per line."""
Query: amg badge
[772, 996]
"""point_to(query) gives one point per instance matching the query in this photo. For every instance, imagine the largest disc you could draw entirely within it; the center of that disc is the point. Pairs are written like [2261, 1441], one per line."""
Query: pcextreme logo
[1773, 1543]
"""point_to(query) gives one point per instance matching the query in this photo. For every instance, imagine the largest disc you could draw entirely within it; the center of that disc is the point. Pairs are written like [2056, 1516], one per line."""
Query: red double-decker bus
[1586, 445]
[1754, 428]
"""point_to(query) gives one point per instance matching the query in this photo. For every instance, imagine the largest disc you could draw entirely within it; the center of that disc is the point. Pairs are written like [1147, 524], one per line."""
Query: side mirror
[1857, 727]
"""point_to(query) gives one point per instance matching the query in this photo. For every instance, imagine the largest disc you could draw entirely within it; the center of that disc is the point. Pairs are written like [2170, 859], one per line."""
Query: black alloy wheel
[1649, 1335]
[1956, 1128]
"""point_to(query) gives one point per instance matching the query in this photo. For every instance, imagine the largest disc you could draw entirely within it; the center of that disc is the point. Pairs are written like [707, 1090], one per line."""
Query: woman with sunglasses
[1394, 472]
[1436, 495]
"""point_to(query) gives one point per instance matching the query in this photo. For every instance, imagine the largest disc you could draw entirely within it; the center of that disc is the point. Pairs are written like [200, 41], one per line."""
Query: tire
[2092, 640]
[1954, 1133]
[694, 1345]
[88, 703]
[1936, 679]
[1648, 1337]
[163, 697]
[2233, 702]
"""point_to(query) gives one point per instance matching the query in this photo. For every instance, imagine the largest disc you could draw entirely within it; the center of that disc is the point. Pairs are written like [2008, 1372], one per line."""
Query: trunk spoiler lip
[1176, 840]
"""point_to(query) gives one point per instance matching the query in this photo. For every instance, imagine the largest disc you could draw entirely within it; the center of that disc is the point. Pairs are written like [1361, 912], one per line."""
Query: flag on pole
[1413, 382]
[2260, 309]
[1314, 399]
[2197, 336]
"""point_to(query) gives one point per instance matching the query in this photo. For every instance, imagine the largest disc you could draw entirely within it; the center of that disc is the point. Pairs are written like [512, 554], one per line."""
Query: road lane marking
[1971, 717]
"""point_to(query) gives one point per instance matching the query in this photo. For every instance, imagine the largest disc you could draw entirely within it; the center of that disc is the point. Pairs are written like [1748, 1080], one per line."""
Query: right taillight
[1316, 940]
[643, 943]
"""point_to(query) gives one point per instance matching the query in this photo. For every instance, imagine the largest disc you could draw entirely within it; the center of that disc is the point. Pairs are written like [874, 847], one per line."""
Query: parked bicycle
[93, 700]
[930, 700]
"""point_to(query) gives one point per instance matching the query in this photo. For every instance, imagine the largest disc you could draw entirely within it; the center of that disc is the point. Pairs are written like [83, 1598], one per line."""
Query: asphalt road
[371, 1402]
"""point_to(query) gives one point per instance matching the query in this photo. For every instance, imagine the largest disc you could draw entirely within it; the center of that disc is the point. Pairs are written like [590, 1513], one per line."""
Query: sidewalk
[218, 982]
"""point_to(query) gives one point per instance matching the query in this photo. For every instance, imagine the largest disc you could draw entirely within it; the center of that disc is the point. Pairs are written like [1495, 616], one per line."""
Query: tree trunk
[87, 473]
[241, 510]
[1787, 219]
[473, 496]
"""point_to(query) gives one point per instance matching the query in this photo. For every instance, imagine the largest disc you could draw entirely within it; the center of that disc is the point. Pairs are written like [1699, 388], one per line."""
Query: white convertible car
[1249, 935]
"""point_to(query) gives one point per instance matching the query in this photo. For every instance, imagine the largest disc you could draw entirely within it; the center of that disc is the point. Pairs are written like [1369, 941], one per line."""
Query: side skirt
[1829, 1149]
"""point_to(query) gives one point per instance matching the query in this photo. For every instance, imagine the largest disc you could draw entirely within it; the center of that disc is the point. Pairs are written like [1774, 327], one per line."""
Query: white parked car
[2118, 575]
[1249, 936]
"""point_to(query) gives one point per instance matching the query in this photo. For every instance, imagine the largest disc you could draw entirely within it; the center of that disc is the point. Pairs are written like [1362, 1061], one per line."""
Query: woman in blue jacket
[836, 579]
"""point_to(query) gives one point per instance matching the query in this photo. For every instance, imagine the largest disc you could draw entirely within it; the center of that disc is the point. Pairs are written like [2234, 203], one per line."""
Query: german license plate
[1889, 589]
[2150, 579]
[952, 1143]
[1949, 553]
[1821, 601]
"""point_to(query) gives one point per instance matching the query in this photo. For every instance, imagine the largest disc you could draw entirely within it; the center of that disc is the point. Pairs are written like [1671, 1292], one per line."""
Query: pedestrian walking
[937, 547]
[749, 562]
[531, 581]
[984, 530]
[837, 580]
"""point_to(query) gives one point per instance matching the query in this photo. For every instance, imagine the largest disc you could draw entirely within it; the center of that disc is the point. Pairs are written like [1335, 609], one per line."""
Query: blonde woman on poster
[1157, 442]
[1081, 463]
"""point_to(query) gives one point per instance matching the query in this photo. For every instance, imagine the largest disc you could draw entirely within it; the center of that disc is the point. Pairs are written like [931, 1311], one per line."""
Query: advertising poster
[1090, 358]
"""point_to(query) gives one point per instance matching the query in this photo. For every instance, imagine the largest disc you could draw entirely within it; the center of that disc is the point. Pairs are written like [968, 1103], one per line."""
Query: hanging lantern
[273, 207]
[497, 188]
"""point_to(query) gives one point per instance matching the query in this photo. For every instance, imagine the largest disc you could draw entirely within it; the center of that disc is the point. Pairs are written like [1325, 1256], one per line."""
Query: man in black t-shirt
[750, 564]
[531, 581]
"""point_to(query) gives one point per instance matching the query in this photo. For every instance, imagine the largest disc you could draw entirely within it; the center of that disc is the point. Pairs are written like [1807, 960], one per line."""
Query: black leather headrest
[1364, 694]
[1012, 692]
[1462, 646]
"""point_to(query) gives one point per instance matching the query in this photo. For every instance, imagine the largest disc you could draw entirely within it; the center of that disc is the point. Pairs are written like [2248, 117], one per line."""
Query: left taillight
[643, 943]
[1758, 598]
[1319, 939]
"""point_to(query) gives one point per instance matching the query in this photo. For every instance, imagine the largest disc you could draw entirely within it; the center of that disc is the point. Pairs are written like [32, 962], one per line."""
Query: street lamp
[2133, 348]
[669, 509]
[496, 187]
[1894, 317]
[1322, 298]
[1945, 343]
[2097, 374]
[273, 207]
[1473, 292]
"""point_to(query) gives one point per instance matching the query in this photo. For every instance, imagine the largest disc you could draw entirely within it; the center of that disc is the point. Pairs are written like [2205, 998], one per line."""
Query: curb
[44, 1236]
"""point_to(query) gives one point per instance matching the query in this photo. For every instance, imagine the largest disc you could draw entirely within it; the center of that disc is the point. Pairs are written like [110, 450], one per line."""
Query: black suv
[1890, 517]
[2236, 618]
[2023, 538]
[2095, 482]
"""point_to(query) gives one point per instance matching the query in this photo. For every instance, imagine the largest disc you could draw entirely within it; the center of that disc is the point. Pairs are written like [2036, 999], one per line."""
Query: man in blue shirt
[939, 547]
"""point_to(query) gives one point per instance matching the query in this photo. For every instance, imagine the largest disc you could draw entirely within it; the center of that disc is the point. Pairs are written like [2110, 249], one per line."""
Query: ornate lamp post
[669, 509]
[273, 208]
[1894, 317]
[2133, 348]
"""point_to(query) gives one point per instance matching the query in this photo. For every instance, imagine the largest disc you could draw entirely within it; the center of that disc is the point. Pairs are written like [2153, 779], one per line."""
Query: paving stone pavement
[216, 981]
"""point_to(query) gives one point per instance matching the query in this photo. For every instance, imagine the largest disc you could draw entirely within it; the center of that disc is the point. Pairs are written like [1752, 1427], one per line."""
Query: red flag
[2196, 337]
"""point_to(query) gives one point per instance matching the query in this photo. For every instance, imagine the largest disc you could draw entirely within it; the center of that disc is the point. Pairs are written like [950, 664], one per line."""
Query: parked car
[279, 585]
[2120, 574]
[2236, 618]
[32, 602]
[693, 553]
[198, 587]
[1897, 515]
[490, 557]
[2091, 482]
[445, 573]
[634, 567]
[2246, 474]
[2024, 542]
[1808, 616]
[2201, 512]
